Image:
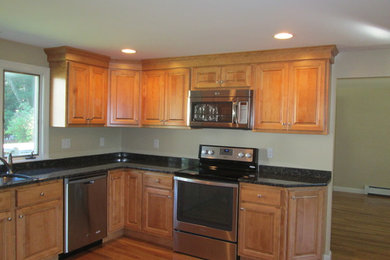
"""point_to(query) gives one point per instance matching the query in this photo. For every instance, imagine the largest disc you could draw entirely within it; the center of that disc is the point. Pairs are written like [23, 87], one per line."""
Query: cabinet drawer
[38, 193]
[6, 200]
[158, 180]
[261, 194]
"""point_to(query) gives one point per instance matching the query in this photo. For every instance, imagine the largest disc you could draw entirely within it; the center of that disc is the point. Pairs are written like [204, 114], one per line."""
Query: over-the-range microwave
[227, 108]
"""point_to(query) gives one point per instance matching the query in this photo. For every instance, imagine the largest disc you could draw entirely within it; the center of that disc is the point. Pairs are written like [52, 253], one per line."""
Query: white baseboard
[348, 189]
[328, 256]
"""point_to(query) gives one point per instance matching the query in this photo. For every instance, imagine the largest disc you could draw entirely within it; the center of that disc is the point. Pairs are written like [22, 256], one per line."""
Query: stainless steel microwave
[227, 108]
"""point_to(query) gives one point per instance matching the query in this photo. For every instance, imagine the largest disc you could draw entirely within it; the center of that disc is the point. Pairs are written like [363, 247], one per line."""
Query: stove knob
[248, 155]
[210, 152]
[204, 152]
[240, 155]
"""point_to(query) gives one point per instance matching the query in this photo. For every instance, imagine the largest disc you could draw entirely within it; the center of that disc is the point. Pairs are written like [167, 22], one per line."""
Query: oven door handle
[212, 183]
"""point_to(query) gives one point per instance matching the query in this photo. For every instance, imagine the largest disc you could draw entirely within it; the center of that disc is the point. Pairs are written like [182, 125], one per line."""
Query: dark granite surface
[59, 168]
[290, 177]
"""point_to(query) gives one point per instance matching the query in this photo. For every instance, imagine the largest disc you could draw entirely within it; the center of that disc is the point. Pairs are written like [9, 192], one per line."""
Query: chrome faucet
[8, 164]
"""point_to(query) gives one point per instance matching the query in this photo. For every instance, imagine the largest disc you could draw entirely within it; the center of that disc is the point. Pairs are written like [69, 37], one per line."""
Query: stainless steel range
[205, 203]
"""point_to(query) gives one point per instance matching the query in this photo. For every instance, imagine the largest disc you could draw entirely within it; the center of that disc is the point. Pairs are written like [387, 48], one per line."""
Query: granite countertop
[60, 168]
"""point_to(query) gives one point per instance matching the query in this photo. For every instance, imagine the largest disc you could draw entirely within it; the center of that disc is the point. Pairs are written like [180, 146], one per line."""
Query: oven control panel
[227, 153]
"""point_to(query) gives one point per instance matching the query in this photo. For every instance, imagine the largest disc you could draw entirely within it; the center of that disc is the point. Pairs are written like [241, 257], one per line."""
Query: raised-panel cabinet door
[116, 200]
[305, 224]
[39, 230]
[176, 97]
[133, 199]
[308, 97]
[259, 231]
[153, 98]
[97, 99]
[236, 76]
[124, 97]
[271, 92]
[78, 93]
[7, 236]
[206, 77]
[157, 212]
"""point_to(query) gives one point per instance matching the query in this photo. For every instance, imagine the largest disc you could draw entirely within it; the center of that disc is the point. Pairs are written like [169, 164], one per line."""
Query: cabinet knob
[20, 216]
[169, 196]
[284, 124]
[42, 194]
[259, 195]
[242, 209]
[9, 219]
[221, 81]
[217, 82]
[157, 180]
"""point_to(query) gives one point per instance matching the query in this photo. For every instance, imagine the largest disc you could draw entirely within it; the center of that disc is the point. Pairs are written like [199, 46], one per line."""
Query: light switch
[156, 143]
[65, 143]
[101, 141]
[270, 153]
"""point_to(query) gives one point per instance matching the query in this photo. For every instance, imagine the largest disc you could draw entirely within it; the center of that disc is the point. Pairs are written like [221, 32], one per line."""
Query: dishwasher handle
[90, 180]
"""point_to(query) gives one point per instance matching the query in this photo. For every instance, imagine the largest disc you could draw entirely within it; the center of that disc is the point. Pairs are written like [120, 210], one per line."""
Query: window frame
[44, 96]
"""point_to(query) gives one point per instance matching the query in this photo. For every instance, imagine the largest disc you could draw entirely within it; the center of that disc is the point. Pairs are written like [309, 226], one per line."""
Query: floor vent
[373, 190]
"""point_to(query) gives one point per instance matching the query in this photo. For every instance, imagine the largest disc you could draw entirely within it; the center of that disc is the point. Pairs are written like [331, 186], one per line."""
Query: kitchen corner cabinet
[292, 97]
[281, 223]
[79, 83]
[124, 92]
[31, 221]
[221, 76]
[164, 97]
[116, 200]
[157, 204]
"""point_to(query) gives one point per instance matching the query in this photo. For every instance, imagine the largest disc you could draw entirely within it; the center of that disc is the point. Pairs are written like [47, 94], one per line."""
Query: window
[24, 101]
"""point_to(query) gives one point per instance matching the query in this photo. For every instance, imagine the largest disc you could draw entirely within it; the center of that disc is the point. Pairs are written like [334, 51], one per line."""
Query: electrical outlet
[101, 141]
[270, 153]
[65, 143]
[156, 143]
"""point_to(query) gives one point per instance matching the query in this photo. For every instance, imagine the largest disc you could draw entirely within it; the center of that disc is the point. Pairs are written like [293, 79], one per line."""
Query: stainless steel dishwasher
[85, 209]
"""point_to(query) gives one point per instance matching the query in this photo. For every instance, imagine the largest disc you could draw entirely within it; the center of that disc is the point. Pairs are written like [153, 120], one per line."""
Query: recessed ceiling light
[283, 36]
[128, 51]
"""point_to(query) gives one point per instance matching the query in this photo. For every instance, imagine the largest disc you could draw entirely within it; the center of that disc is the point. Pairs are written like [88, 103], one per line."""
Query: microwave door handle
[238, 112]
[234, 112]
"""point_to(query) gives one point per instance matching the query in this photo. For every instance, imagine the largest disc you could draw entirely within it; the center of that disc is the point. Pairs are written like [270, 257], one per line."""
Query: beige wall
[84, 141]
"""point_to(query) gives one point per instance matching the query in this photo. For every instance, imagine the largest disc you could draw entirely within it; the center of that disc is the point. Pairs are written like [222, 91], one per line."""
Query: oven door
[206, 208]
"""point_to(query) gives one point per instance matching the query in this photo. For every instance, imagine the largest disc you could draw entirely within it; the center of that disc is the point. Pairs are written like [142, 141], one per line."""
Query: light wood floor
[129, 249]
[360, 227]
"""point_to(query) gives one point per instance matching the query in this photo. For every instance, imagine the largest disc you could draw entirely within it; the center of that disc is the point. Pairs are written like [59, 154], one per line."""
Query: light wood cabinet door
[236, 76]
[133, 200]
[176, 97]
[308, 96]
[7, 235]
[206, 77]
[270, 106]
[116, 200]
[78, 83]
[157, 212]
[153, 97]
[305, 224]
[97, 96]
[39, 230]
[124, 98]
[260, 229]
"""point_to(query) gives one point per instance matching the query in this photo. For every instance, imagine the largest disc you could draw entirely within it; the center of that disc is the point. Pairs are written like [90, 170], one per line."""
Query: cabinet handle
[284, 124]
[217, 82]
[221, 81]
[289, 124]
[303, 197]
[242, 209]
[42, 194]
[259, 195]
[169, 196]
[20, 216]
[9, 219]
[157, 180]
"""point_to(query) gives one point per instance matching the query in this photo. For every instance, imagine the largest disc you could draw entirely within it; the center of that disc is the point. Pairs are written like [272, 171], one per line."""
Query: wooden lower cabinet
[292, 229]
[116, 200]
[39, 230]
[7, 235]
[133, 199]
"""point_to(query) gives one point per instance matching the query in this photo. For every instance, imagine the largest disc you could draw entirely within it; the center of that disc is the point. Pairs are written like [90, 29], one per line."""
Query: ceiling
[170, 28]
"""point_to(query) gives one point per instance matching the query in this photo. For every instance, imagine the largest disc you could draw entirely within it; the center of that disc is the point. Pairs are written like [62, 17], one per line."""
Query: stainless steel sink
[14, 178]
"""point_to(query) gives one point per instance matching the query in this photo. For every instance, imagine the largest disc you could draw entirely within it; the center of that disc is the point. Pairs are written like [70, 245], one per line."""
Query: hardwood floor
[360, 227]
[129, 249]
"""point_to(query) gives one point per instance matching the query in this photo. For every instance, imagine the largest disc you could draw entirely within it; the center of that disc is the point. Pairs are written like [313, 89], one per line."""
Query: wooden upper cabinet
[306, 226]
[270, 109]
[164, 97]
[308, 97]
[79, 81]
[292, 97]
[124, 98]
[221, 76]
